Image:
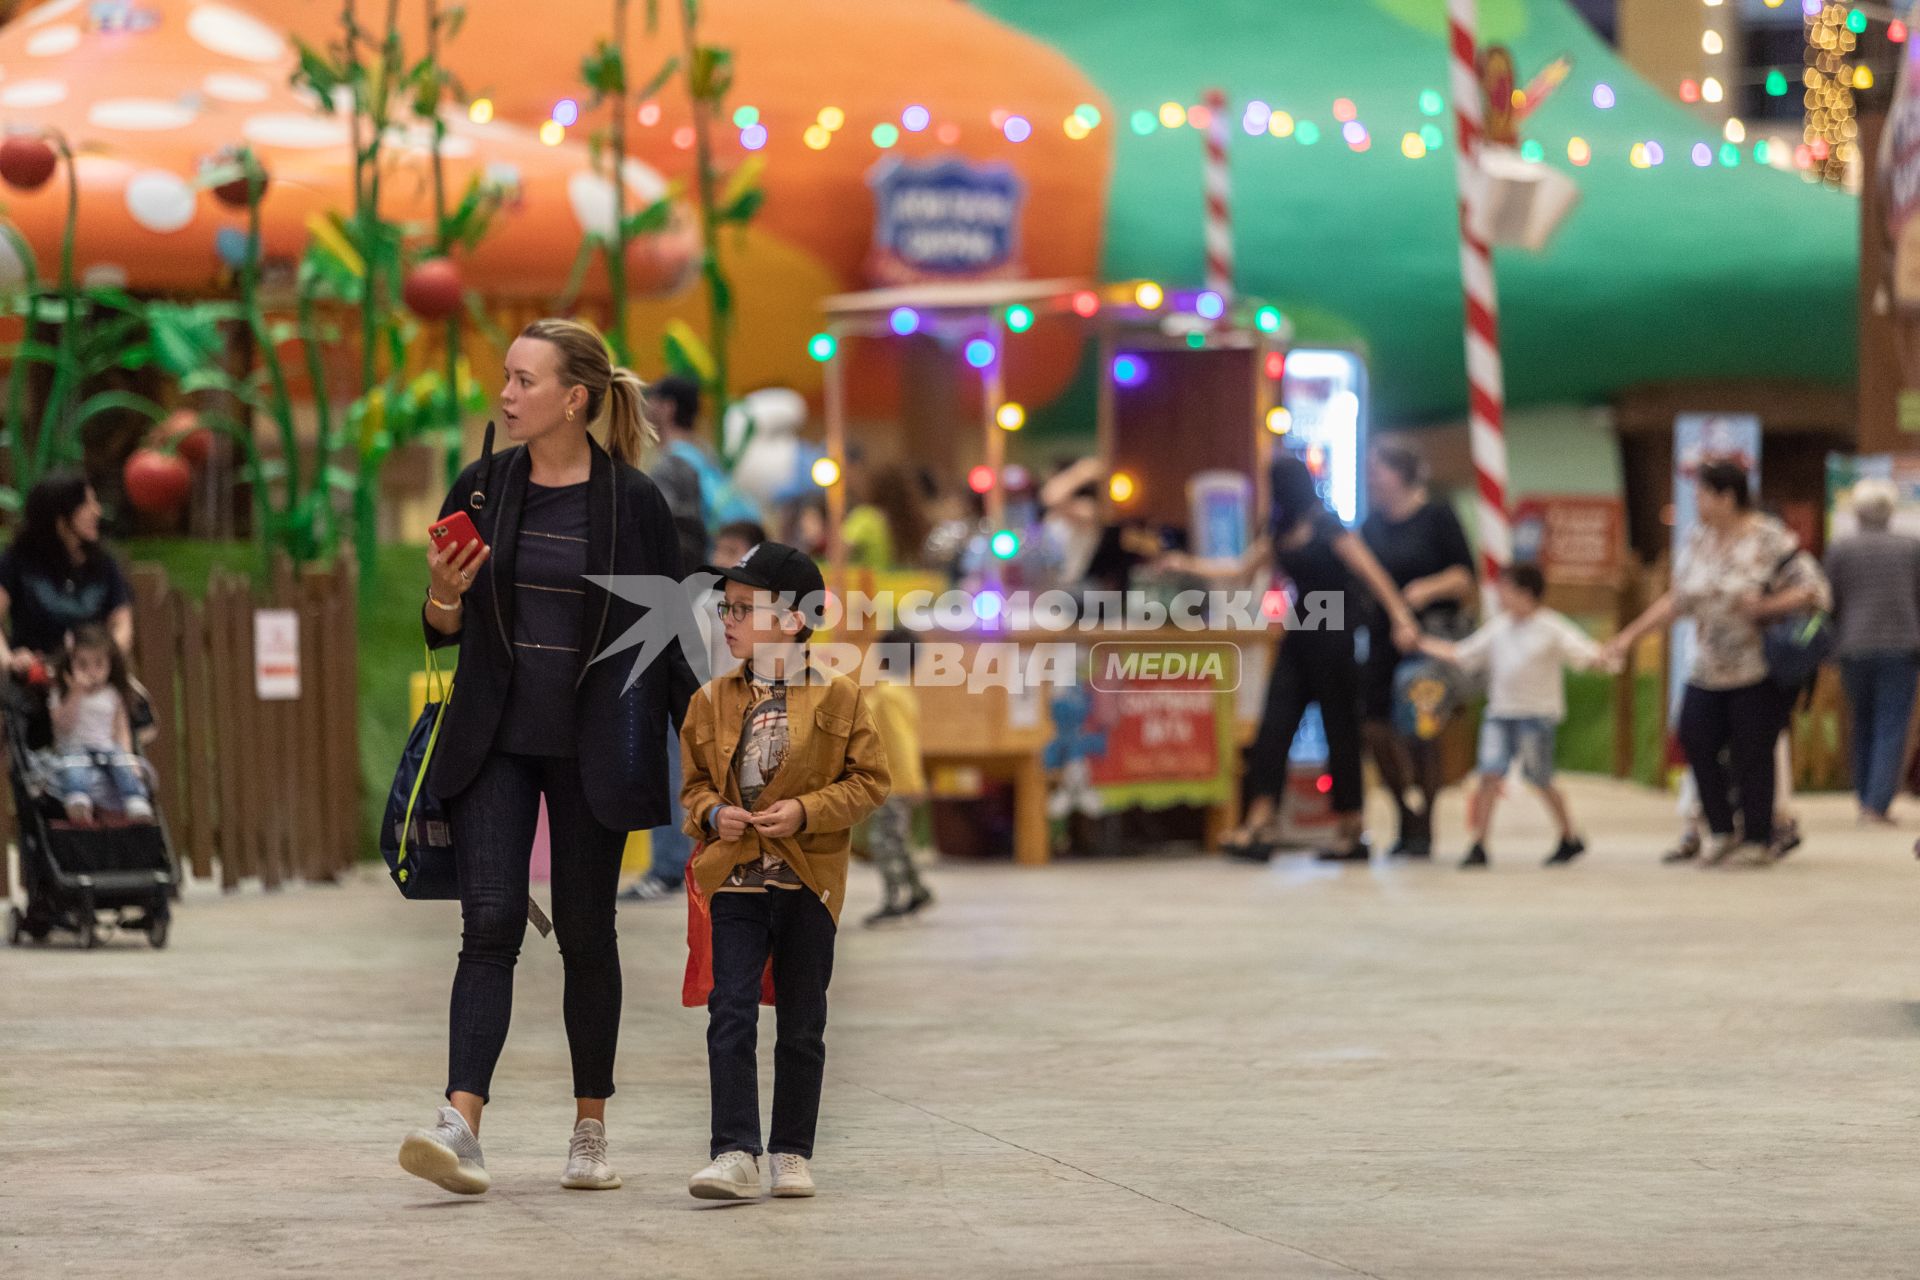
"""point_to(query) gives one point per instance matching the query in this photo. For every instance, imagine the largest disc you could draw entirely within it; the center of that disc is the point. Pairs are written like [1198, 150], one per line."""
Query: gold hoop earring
[569, 415]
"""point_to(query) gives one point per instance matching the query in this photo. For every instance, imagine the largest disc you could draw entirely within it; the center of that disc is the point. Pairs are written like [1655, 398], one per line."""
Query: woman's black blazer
[622, 731]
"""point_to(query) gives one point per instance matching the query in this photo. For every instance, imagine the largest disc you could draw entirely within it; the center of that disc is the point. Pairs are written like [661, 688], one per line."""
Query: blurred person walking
[1737, 571]
[1875, 575]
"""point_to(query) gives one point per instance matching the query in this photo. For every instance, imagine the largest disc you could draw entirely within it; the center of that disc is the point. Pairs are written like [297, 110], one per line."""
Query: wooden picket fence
[266, 790]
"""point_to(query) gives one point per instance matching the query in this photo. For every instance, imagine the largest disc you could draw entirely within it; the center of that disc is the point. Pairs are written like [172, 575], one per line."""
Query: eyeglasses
[733, 611]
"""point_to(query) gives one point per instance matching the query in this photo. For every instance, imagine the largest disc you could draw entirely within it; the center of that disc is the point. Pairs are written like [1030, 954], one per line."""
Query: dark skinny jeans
[494, 822]
[795, 930]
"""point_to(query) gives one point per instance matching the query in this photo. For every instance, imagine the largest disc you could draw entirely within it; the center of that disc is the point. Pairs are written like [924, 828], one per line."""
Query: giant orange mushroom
[148, 94]
[869, 61]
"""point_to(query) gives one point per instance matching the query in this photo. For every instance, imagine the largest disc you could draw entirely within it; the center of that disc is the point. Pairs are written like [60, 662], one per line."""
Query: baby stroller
[73, 873]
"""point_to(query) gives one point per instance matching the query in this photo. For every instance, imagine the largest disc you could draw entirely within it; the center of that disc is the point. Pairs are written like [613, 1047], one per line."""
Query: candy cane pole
[1219, 198]
[1486, 382]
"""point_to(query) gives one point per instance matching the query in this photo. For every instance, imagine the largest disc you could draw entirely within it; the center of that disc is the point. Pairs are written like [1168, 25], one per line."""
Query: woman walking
[1736, 571]
[1327, 564]
[532, 715]
[1419, 542]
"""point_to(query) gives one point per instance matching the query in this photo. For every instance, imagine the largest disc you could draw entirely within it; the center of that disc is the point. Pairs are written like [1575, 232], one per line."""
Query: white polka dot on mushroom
[643, 180]
[592, 199]
[53, 42]
[237, 35]
[27, 95]
[295, 132]
[140, 115]
[419, 137]
[160, 201]
[228, 86]
[50, 13]
[105, 274]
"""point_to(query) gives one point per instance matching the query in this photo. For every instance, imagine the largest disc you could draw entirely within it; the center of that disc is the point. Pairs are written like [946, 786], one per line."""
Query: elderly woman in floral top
[1737, 571]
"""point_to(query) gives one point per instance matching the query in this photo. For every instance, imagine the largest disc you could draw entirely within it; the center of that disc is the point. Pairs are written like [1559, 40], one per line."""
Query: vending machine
[1323, 394]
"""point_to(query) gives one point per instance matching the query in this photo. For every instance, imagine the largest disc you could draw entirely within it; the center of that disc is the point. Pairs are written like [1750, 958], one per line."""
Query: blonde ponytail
[630, 433]
[619, 393]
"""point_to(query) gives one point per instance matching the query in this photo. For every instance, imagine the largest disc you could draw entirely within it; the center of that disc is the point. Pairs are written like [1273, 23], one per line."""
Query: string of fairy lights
[1831, 130]
[1830, 77]
[1830, 144]
[1343, 127]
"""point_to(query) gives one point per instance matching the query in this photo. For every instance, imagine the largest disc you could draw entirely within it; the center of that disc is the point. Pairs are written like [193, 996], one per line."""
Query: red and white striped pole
[1219, 198]
[1486, 381]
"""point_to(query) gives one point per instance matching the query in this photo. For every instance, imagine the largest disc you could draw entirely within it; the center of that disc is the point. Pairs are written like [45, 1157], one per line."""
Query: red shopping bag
[697, 985]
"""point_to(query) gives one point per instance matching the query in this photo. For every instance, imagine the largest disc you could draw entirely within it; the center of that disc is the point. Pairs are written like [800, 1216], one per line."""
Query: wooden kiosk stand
[1188, 382]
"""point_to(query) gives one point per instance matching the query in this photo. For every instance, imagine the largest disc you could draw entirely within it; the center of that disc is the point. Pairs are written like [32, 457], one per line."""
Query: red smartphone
[454, 533]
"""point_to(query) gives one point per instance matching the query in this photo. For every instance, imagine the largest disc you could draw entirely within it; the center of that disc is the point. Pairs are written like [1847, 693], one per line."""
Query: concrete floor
[1136, 1068]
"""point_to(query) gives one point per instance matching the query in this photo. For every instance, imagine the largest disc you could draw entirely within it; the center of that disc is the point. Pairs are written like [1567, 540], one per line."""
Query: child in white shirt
[95, 764]
[1525, 650]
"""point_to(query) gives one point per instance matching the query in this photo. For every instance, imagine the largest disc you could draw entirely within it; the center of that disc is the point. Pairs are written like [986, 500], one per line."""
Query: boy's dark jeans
[795, 928]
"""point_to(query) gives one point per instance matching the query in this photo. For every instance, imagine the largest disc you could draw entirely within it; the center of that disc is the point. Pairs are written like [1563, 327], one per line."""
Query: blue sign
[947, 220]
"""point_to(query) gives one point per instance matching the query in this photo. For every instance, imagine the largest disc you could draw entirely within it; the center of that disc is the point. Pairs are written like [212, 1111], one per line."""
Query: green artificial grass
[1585, 743]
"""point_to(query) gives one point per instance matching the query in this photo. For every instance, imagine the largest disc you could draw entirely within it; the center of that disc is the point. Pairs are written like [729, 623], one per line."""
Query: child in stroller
[94, 767]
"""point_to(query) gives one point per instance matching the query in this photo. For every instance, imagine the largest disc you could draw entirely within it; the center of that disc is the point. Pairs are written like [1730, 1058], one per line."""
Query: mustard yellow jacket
[836, 768]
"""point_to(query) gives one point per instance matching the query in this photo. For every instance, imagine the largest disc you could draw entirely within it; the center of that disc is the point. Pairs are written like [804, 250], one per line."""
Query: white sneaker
[447, 1155]
[791, 1177]
[1722, 848]
[733, 1175]
[587, 1167]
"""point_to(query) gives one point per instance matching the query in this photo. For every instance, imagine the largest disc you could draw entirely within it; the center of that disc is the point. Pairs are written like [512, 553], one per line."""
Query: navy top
[548, 599]
[47, 603]
[1427, 542]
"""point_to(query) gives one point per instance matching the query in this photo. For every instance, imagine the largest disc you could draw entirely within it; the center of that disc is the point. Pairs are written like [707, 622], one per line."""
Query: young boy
[1526, 651]
[780, 760]
[896, 712]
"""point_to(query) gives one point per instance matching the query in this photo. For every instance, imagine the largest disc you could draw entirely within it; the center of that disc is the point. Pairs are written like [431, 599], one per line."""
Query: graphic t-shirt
[762, 750]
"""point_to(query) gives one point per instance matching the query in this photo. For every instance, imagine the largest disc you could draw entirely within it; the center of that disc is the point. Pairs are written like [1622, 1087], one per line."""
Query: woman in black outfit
[1327, 564]
[1419, 542]
[531, 715]
[56, 576]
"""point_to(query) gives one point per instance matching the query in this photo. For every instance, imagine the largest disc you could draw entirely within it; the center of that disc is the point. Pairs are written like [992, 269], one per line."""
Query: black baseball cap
[778, 568]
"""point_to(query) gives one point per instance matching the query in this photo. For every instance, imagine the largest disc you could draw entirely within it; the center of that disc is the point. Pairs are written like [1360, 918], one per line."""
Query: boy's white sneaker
[587, 1167]
[791, 1177]
[733, 1175]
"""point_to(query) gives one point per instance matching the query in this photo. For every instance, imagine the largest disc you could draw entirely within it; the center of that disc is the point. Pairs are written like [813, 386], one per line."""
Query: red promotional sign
[1576, 539]
[1157, 731]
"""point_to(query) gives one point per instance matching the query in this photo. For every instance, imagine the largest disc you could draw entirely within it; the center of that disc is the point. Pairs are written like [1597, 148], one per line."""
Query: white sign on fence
[276, 655]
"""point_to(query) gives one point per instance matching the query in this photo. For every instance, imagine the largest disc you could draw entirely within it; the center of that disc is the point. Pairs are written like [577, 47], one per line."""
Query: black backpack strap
[478, 498]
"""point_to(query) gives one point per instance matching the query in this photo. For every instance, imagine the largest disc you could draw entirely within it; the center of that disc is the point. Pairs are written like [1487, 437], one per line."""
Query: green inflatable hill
[1671, 271]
